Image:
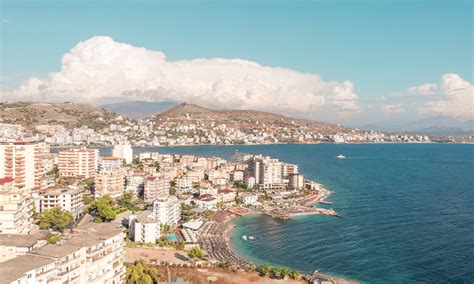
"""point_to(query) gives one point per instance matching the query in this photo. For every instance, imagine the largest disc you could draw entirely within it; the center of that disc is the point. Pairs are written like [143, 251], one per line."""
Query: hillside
[138, 109]
[31, 114]
[186, 113]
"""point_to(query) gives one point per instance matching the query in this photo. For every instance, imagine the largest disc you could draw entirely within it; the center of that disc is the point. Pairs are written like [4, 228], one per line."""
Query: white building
[143, 227]
[250, 199]
[184, 185]
[69, 199]
[16, 208]
[124, 152]
[167, 210]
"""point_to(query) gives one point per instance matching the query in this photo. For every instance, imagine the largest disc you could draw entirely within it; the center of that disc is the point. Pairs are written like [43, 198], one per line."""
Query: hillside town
[183, 125]
[75, 216]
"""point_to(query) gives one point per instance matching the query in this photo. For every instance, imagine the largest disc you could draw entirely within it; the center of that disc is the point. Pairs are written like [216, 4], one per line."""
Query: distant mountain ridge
[438, 125]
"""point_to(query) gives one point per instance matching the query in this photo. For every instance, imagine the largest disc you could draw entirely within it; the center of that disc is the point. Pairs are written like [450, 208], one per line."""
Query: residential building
[111, 163]
[296, 181]
[16, 208]
[167, 210]
[207, 201]
[143, 227]
[78, 162]
[237, 176]
[13, 245]
[22, 161]
[184, 185]
[124, 152]
[111, 182]
[157, 186]
[70, 199]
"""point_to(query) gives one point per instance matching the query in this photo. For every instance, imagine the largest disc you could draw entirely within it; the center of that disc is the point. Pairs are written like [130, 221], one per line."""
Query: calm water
[408, 212]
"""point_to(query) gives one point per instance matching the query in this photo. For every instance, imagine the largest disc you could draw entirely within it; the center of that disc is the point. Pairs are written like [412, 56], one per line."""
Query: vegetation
[277, 272]
[195, 252]
[55, 219]
[53, 239]
[139, 273]
[103, 209]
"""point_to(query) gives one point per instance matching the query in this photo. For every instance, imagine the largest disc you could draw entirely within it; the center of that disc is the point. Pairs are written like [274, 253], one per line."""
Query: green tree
[104, 208]
[55, 218]
[195, 252]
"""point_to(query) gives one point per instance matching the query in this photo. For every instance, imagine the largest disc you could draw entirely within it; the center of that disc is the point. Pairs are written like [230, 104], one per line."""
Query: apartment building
[22, 161]
[92, 254]
[143, 227]
[110, 163]
[167, 210]
[296, 181]
[157, 186]
[16, 208]
[78, 162]
[70, 199]
[111, 182]
[124, 152]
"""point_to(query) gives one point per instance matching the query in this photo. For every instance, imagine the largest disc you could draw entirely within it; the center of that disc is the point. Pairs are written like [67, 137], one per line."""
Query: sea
[408, 212]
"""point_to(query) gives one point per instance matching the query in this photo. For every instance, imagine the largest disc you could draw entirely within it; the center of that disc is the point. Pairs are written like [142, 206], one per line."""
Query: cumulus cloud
[453, 96]
[393, 109]
[101, 68]
[425, 89]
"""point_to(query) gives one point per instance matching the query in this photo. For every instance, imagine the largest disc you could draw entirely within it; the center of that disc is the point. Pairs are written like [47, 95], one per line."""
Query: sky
[354, 62]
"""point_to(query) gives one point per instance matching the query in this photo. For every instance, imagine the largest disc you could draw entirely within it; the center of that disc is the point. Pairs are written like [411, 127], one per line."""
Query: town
[185, 124]
[75, 216]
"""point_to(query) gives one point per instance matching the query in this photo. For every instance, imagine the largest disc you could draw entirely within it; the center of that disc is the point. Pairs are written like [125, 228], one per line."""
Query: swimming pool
[172, 237]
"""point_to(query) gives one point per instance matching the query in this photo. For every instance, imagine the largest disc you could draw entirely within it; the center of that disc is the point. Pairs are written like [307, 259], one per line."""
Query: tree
[263, 269]
[104, 208]
[138, 273]
[55, 218]
[195, 252]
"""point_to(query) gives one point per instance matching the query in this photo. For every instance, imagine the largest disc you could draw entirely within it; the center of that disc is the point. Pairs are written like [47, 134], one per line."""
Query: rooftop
[19, 240]
[17, 267]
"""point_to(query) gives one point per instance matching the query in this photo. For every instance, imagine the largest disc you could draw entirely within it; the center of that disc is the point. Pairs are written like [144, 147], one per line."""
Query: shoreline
[261, 144]
[322, 196]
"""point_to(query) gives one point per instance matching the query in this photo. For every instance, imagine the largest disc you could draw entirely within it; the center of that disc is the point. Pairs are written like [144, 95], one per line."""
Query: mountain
[139, 109]
[30, 114]
[239, 119]
[436, 126]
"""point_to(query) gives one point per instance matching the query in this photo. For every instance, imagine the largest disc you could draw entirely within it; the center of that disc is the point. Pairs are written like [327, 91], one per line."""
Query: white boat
[251, 238]
[244, 237]
[341, 157]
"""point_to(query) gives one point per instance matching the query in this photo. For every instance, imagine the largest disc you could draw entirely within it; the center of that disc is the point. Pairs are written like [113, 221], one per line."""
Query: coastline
[322, 196]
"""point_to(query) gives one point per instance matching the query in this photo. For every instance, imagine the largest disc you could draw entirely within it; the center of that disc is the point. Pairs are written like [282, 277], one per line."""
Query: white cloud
[454, 97]
[393, 109]
[100, 68]
[425, 89]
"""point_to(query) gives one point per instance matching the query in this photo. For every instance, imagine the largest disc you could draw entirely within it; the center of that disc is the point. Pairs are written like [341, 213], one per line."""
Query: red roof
[6, 180]
[226, 190]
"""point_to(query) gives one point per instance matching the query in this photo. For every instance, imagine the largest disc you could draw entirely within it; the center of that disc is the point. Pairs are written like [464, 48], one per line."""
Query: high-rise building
[157, 186]
[296, 181]
[16, 208]
[167, 210]
[78, 162]
[22, 161]
[110, 181]
[124, 152]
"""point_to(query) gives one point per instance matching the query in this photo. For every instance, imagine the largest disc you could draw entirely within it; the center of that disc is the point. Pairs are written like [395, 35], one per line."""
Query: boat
[251, 238]
[341, 157]
[244, 237]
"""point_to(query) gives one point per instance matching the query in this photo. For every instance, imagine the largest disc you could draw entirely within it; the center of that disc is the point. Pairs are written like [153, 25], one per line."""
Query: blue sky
[383, 47]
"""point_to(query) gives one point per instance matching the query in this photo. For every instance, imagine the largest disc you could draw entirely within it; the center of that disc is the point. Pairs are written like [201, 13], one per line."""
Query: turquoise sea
[408, 212]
